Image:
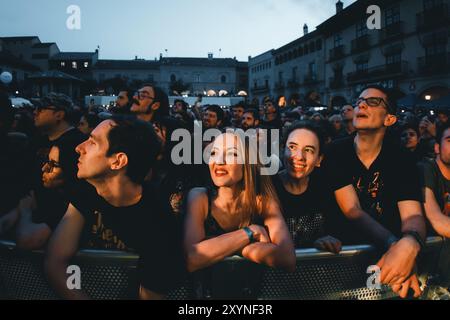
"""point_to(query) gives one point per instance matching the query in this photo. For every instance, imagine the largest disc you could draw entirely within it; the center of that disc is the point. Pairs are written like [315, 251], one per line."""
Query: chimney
[160, 56]
[210, 56]
[305, 29]
[339, 6]
[135, 57]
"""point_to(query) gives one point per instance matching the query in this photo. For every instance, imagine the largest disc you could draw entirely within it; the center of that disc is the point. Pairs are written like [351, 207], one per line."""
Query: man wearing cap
[41, 212]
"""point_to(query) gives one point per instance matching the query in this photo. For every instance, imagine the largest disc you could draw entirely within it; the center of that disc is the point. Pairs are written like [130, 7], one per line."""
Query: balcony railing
[279, 85]
[260, 89]
[293, 83]
[337, 53]
[433, 18]
[361, 44]
[435, 64]
[392, 32]
[393, 70]
[336, 82]
[310, 79]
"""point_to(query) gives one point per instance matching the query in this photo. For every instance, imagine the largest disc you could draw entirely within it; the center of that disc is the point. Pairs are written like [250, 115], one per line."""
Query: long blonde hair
[256, 190]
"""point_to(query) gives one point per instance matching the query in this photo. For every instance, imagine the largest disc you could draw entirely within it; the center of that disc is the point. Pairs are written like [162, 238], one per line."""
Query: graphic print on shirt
[369, 193]
[447, 204]
[104, 238]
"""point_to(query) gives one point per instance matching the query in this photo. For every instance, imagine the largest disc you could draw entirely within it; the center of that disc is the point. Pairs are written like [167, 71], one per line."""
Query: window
[255, 84]
[63, 64]
[312, 70]
[173, 78]
[337, 40]
[74, 65]
[362, 66]
[86, 64]
[266, 83]
[223, 79]
[294, 73]
[197, 78]
[435, 49]
[392, 15]
[280, 76]
[430, 4]
[361, 29]
[319, 44]
[312, 47]
[305, 49]
[394, 58]
[300, 51]
[150, 78]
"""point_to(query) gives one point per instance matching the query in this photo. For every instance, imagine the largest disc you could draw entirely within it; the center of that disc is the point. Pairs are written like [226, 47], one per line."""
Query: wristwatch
[416, 237]
[249, 233]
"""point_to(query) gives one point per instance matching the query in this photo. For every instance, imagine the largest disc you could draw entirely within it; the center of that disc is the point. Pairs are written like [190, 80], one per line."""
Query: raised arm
[63, 245]
[280, 251]
[201, 253]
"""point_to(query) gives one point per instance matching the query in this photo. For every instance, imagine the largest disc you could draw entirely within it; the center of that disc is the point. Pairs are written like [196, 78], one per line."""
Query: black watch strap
[417, 237]
[249, 234]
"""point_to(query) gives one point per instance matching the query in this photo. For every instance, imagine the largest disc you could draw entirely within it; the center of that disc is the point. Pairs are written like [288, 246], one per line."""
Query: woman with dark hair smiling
[299, 188]
[240, 214]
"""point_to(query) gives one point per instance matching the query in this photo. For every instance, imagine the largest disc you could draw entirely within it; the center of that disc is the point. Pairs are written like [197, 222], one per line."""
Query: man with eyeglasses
[41, 211]
[150, 103]
[376, 185]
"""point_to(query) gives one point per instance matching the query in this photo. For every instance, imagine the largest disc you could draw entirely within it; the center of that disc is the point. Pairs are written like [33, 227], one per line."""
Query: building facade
[409, 52]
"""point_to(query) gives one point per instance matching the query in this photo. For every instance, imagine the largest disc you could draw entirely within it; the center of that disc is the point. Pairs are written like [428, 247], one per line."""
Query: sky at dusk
[186, 28]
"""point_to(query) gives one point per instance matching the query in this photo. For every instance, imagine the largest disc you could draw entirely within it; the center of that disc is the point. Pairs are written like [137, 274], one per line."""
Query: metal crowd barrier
[319, 275]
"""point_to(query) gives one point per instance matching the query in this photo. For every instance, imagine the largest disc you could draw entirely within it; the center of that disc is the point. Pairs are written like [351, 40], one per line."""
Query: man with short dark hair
[250, 119]
[212, 117]
[347, 121]
[376, 186]
[118, 211]
[123, 102]
[150, 103]
[237, 111]
[436, 184]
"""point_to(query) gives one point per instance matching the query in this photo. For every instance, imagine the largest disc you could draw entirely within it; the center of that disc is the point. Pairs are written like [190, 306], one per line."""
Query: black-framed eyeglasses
[372, 102]
[49, 165]
[142, 94]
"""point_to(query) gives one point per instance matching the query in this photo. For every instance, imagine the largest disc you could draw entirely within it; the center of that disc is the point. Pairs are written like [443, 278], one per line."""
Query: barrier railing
[318, 275]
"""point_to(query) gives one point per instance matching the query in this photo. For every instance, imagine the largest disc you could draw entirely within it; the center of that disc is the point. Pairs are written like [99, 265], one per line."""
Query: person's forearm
[213, 250]
[374, 230]
[441, 224]
[8, 221]
[57, 276]
[415, 223]
[270, 254]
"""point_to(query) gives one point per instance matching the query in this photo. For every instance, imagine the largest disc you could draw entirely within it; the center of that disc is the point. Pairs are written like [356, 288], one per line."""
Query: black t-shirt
[16, 167]
[391, 178]
[433, 179]
[142, 228]
[304, 213]
[51, 203]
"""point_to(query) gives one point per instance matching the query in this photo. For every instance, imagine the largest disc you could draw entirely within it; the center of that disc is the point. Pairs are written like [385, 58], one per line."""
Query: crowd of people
[365, 172]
